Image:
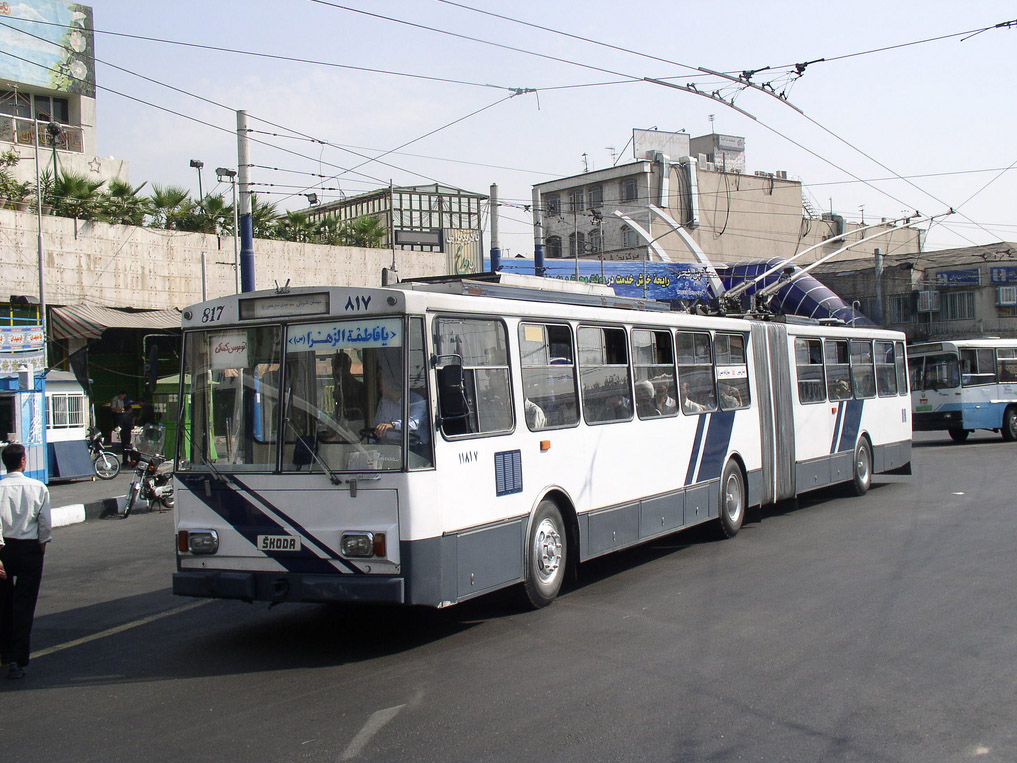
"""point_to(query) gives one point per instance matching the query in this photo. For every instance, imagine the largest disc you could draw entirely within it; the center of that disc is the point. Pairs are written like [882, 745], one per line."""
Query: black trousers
[18, 594]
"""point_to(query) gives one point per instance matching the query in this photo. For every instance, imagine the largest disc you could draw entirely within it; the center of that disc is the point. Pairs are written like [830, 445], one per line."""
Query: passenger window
[862, 371]
[902, 369]
[886, 370]
[732, 372]
[483, 346]
[977, 367]
[838, 370]
[653, 365]
[695, 372]
[604, 375]
[1007, 365]
[809, 363]
[550, 398]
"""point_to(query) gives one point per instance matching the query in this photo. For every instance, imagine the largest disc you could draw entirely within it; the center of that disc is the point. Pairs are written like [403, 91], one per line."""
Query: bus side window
[978, 367]
[886, 370]
[838, 370]
[653, 365]
[862, 370]
[695, 372]
[482, 343]
[1007, 365]
[604, 374]
[902, 369]
[809, 365]
[732, 371]
[547, 361]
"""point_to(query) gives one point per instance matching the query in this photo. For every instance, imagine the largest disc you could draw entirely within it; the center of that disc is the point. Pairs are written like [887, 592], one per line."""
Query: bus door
[774, 396]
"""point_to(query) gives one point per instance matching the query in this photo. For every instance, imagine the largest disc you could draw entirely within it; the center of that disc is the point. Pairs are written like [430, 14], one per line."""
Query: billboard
[48, 44]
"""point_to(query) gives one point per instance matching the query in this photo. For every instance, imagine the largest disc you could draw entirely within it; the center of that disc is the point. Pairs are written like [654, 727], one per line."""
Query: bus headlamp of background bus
[197, 541]
[362, 544]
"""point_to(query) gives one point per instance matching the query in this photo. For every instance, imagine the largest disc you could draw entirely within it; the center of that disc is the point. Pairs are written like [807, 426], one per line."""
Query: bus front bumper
[288, 587]
[932, 422]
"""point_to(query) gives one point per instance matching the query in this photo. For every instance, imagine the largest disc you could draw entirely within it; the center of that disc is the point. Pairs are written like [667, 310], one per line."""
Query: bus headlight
[198, 541]
[362, 544]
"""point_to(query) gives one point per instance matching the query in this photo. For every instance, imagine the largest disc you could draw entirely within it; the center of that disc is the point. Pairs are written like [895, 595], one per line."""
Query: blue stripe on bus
[718, 438]
[836, 427]
[852, 424]
[250, 521]
[691, 471]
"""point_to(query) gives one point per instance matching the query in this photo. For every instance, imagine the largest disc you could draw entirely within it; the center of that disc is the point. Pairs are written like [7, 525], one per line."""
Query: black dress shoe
[14, 671]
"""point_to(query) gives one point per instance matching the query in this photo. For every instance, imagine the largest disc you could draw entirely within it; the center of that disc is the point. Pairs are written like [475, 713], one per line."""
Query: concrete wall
[148, 268]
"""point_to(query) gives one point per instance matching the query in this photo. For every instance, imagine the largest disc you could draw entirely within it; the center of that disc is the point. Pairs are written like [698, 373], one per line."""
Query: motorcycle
[152, 482]
[105, 463]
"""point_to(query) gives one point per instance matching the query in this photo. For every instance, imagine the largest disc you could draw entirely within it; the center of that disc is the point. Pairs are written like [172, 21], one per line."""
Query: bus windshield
[937, 372]
[335, 400]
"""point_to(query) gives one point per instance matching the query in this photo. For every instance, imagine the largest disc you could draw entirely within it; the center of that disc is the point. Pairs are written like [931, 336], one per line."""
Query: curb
[105, 508]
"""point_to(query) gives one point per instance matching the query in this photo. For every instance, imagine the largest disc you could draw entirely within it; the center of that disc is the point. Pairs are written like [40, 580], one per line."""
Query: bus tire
[1009, 427]
[959, 435]
[732, 500]
[862, 470]
[546, 554]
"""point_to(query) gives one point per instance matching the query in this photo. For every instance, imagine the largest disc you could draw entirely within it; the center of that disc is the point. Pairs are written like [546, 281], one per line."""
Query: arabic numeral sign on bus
[211, 314]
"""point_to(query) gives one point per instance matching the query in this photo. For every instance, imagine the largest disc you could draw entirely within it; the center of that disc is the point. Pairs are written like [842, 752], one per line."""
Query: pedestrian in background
[122, 417]
[25, 529]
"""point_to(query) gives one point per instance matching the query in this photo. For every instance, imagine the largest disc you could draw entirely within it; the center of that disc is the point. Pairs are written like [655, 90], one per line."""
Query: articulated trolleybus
[963, 385]
[432, 442]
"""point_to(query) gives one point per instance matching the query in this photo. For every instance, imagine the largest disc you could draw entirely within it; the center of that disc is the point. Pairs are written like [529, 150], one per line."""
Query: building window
[596, 197]
[957, 305]
[553, 246]
[576, 200]
[629, 190]
[901, 308]
[628, 237]
[573, 238]
[66, 411]
[596, 244]
[552, 205]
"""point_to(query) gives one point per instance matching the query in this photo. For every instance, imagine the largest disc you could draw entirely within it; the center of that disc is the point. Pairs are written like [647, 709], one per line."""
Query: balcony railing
[25, 132]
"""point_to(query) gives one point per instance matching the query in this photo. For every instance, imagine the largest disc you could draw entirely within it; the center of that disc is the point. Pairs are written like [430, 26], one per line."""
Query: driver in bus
[388, 423]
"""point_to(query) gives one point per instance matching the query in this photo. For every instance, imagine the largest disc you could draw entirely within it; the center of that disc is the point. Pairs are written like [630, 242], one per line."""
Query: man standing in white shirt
[26, 528]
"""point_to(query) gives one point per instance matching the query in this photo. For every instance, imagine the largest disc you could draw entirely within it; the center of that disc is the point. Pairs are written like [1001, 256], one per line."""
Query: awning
[76, 321]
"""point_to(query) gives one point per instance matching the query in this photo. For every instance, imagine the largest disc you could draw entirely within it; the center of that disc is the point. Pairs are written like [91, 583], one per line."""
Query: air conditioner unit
[928, 301]
[1006, 295]
[781, 174]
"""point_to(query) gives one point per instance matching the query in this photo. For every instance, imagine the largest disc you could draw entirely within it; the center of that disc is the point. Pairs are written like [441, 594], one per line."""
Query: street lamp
[312, 198]
[198, 164]
[220, 173]
[54, 132]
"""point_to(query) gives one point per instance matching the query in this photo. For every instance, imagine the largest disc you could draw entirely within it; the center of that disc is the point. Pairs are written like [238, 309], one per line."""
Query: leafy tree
[11, 191]
[167, 206]
[123, 204]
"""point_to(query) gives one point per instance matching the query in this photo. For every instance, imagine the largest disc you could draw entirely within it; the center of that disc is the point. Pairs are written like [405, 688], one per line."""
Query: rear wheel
[732, 500]
[862, 468]
[546, 551]
[168, 500]
[1009, 428]
[960, 435]
[106, 466]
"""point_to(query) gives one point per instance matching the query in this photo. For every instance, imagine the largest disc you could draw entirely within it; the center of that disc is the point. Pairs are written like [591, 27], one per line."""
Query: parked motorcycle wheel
[106, 466]
[132, 497]
[168, 501]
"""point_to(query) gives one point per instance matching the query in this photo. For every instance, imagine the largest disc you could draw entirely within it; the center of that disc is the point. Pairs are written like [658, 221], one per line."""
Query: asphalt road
[853, 629]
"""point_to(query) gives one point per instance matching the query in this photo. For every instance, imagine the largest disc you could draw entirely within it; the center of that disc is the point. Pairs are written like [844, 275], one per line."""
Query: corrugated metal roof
[88, 321]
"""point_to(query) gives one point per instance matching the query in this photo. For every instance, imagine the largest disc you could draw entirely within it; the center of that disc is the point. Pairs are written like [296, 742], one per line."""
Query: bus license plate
[278, 543]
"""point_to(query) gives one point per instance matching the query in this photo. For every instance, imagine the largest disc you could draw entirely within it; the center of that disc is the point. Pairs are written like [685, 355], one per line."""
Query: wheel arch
[567, 509]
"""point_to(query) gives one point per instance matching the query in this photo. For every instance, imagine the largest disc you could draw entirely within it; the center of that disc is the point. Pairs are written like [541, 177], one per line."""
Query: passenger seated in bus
[535, 418]
[665, 403]
[388, 424]
[646, 404]
[729, 396]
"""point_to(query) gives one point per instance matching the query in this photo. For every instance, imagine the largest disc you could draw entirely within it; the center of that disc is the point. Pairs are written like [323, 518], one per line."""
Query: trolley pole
[246, 220]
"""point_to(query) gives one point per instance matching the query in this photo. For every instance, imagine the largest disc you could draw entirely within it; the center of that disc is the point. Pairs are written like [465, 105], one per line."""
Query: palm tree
[264, 217]
[332, 231]
[295, 226]
[217, 214]
[123, 204]
[73, 195]
[367, 231]
[167, 205]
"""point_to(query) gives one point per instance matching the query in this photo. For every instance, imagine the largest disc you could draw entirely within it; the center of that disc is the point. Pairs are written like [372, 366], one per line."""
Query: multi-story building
[701, 184]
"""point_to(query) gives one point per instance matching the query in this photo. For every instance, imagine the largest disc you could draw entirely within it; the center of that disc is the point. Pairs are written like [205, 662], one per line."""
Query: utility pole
[495, 241]
[38, 219]
[538, 235]
[246, 220]
[878, 317]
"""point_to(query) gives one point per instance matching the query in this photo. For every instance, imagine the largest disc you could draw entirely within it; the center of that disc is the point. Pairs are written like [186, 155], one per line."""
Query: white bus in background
[963, 385]
[432, 442]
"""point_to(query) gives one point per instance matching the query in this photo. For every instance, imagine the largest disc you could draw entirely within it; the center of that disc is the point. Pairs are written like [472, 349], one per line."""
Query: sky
[880, 128]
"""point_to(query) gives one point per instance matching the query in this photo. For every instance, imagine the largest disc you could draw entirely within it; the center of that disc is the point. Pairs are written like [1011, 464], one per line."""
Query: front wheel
[1009, 428]
[960, 435]
[732, 500]
[546, 551]
[862, 468]
[132, 497]
[106, 466]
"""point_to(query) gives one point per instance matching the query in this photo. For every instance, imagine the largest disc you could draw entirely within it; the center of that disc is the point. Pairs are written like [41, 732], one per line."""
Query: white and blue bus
[963, 385]
[431, 442]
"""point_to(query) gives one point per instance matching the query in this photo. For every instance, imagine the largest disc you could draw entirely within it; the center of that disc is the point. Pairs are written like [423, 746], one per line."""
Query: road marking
[372, 727]
[118, 629]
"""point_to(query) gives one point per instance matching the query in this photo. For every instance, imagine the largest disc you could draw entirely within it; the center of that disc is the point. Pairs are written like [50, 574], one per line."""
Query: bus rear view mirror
[452, 401]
